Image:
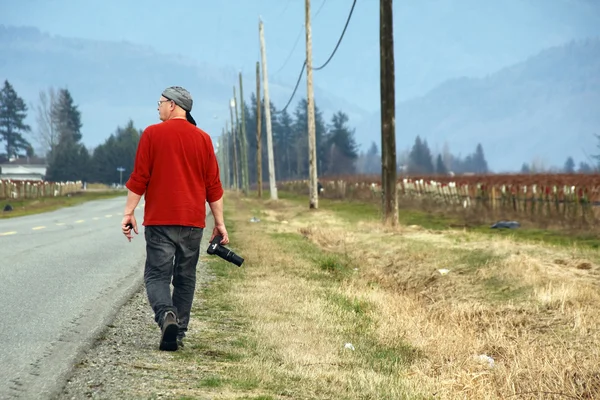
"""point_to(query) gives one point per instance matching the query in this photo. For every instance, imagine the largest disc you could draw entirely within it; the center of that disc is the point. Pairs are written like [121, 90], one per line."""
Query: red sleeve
[214, 189]
[139, 178]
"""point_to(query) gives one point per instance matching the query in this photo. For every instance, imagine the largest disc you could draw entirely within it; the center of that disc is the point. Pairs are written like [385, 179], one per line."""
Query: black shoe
[170, 328]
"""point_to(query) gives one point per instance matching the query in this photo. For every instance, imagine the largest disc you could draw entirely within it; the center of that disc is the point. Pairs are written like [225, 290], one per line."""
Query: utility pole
[263, 51]
[219, 153]
[244, 142]
[241, 139]
[312, 141]
[258, 133]
[388, 114]
[234, 166]
[225, 151]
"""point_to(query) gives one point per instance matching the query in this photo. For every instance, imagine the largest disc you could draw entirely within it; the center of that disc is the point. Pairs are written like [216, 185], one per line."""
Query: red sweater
[176, 168]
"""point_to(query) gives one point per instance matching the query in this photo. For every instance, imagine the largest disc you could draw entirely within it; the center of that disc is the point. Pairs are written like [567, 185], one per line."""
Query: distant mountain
[113, 82]
[545, 108]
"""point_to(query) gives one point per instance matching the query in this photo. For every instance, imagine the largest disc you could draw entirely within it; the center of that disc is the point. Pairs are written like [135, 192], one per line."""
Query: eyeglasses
[162, 101]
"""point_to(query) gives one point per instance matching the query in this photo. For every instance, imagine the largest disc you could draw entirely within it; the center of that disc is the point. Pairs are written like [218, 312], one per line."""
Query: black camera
[215, 248]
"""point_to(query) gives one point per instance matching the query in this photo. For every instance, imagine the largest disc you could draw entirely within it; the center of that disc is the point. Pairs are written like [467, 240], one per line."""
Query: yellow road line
[60, 223]
[80, 221]
[108, 216]
[7, 233]
[37, 228]
[95, 218]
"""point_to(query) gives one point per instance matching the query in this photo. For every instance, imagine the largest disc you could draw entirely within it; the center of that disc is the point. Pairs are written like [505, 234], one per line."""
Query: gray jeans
[171, 256]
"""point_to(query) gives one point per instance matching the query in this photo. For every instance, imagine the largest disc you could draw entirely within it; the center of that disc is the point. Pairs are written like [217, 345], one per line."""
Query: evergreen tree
[369, 162]
[479, 164]
[569, 167]
[440, 167]
[322, 140]
[373, 165]
[585, 168]
[300, 139]
[118, 151]
[68, 161]
[68, 117]
[343, 150]
[420, 161]
[13, 112]
[284, 145]
[525, 168]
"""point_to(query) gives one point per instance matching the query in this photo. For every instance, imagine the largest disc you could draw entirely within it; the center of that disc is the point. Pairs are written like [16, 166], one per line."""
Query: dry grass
[45, 204]
[508, 320]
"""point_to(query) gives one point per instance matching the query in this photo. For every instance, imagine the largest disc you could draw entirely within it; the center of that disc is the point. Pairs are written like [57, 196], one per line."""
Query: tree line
[337, 150]
[60, 137]
[59, 133]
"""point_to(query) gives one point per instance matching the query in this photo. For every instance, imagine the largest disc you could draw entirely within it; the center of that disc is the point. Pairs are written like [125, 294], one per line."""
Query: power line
[296, 88]
[291, 52]
[297, 39]
[285, 8]
[319, 10]
[339, 40]
[326, 62]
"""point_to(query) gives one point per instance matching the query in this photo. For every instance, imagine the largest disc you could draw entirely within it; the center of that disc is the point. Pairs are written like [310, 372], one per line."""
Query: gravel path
[125, 362]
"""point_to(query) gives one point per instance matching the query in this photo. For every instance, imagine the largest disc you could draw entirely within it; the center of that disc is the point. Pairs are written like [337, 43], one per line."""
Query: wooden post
[243, 142]
[263, 51]
[235, 157]
[239, 135]
[227, 157]
[222, 158]
[388, 111]
[258, 133]
[312, 142]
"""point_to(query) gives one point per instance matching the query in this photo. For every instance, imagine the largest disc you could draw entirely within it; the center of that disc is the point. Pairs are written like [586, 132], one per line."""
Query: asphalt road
[63, 276]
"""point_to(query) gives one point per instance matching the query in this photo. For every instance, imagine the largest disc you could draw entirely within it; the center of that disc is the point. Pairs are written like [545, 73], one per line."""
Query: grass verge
[355, 210]
[331, 305]
[45, 204]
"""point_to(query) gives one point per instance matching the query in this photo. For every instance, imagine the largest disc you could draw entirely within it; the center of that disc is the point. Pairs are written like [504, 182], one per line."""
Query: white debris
[443, 271]
[349, 346]
[483, 358]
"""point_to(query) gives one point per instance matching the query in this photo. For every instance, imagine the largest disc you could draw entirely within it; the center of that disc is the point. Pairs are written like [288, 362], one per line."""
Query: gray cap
[182, 98]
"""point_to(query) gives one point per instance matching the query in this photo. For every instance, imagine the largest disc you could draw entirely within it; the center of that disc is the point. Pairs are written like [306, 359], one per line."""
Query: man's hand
[220, 230]
[127, 224]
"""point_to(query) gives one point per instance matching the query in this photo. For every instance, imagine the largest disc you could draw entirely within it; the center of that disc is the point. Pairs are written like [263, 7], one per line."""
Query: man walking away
[177, 171]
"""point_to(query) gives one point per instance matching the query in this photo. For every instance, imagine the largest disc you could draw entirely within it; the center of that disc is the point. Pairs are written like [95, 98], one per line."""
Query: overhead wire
[298, 39]
[291, 52]
[326, 62]
[339, 40]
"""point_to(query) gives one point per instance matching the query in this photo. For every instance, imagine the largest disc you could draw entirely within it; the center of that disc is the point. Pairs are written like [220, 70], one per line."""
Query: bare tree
[46, 133]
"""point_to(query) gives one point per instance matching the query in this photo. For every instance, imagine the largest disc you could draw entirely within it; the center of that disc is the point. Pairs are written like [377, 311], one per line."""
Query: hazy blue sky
[435, 39]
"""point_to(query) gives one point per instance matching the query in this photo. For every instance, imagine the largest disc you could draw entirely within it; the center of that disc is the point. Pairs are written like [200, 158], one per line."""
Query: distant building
[24, 169]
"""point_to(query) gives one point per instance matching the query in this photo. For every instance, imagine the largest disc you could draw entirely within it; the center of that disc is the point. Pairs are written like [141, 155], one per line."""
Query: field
[34, 197]
[565, 201]
[329, 304]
